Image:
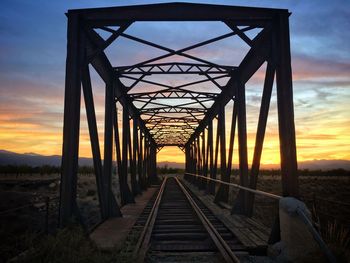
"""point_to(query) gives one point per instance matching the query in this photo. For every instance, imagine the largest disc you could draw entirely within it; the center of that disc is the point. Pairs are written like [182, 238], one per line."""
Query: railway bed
[180, 228]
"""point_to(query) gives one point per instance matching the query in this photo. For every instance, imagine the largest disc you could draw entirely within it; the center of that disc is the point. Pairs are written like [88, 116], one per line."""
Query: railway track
[180, 228]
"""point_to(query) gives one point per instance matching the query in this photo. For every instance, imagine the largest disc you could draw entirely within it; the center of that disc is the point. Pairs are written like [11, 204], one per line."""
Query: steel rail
[220, 243]
[143, 241]
[278, 197]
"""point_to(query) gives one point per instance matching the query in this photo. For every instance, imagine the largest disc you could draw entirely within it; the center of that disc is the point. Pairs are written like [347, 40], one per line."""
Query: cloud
[307, 68]
[32, 62]
[321, 33]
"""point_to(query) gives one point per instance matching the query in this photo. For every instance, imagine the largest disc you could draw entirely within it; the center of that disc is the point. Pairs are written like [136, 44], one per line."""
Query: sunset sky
[32, 72]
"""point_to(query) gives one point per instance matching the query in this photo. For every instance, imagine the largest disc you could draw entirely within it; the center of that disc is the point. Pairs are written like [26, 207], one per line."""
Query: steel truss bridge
[174, 114]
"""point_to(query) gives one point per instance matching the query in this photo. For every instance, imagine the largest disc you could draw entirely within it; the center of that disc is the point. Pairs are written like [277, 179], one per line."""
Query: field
[24, 215]
[328, 197]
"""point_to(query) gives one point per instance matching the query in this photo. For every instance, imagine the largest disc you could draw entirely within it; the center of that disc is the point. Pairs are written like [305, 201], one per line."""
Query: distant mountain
[325, 164]
[33, 159]
[316, 165]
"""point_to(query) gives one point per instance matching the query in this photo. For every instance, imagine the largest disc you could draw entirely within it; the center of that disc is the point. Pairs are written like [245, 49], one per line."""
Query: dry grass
[337, 237]
[71, 245]
[333, 216]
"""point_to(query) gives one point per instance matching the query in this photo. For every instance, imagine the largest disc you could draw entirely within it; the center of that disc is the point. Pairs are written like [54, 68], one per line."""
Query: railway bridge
[180, 98]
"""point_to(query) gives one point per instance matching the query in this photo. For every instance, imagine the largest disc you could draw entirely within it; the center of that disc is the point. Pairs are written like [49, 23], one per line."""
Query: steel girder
[174, 115]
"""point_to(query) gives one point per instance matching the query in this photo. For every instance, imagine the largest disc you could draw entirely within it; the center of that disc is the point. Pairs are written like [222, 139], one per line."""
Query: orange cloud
[31, 113]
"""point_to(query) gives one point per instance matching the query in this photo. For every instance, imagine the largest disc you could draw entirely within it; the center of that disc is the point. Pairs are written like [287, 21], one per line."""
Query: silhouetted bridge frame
[193, 132]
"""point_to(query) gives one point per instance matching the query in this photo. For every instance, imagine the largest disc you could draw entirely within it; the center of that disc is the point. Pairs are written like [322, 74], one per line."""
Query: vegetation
[70, 245]
[333, 172]
[336, 235]
[25, 169]
[42, 170]
[86, 170]
[169, 170]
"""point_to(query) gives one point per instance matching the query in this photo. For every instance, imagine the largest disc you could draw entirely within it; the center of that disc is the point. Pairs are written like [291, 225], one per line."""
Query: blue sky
[32, 67]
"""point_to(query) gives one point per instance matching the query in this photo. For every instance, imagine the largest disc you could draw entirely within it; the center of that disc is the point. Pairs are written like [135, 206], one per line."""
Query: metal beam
[178, 12]
[210, 185]
[222, 193]
[133, 156]
[232, 140]
[289, 166]
[112, 207]
[260, 134]
[125, 192]
[173, 68]
[240, 206]
[95, 145]
[109, 41]
[251, 63]
[104, 68]
[71, 122]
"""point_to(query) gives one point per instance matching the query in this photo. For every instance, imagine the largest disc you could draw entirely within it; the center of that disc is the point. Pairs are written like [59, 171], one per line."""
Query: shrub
[90, 192]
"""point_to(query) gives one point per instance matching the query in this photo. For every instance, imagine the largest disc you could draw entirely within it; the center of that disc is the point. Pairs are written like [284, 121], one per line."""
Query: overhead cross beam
[241, 16]
[256, 56]
[173, 68]
[181, 94]
[180, 52]
[105, 70]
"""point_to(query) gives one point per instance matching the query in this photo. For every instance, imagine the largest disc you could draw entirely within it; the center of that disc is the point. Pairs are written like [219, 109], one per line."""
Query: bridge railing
[300, 213]
[254, 191]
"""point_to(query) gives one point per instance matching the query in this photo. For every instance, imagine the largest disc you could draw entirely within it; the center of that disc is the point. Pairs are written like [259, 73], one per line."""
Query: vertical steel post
[71, 123]
[204, 161]
[215, 168]
[195, 156]
[190, 163]
[240, 206]
[141, 163]
[211, 185]
[187, 160]
[152, 163]
[285, 108]
[95, 146]
[112, 206]
[145, 160]
[126, 194]
[199, 160]
[136, 154]
[118, 155]
[222, 194]
[232, 140]
[260, 134]
[132, 166]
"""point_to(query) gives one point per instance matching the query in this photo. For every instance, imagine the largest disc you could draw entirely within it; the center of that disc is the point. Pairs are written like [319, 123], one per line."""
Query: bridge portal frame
[85, 47]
